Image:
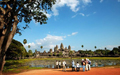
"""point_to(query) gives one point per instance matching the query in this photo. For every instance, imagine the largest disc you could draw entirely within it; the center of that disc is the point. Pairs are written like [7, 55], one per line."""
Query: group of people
[85, 64]
[58, 65]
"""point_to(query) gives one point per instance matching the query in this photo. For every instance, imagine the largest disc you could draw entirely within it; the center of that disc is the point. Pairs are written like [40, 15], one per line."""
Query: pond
[51, 63]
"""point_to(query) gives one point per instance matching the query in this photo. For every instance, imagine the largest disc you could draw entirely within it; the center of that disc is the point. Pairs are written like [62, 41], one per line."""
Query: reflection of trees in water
[51, 63]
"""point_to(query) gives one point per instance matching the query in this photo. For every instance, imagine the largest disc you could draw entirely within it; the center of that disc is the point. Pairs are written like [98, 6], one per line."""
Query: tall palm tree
[24, 41]
[105, 51]
[28, 46]
[95, 47]
[82, 46]
[41, 47]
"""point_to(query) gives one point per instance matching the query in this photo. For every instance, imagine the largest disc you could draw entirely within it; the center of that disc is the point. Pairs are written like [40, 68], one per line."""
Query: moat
[51, 63]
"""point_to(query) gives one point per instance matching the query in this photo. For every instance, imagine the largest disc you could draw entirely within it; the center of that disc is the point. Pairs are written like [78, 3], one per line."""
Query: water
[51, 63]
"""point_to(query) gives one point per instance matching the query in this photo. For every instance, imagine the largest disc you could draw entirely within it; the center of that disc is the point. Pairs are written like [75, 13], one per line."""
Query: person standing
[59, 64]
[86, 62]
[83, 64]
[89, 63]
[73, 65]
[64, 66]
[77, 67]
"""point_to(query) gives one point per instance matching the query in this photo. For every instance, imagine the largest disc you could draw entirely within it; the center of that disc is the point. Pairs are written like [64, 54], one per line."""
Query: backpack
[83, 63]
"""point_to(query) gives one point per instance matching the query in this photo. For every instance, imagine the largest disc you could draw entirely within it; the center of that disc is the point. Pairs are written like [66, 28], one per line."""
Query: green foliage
[15, 50]
[95, 47]
[28, 46]
[30, 53]
[24, 41]
[82, 46]
[41, 47]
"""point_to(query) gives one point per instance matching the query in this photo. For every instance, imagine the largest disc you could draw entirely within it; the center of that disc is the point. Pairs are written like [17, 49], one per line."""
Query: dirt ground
[93, 71]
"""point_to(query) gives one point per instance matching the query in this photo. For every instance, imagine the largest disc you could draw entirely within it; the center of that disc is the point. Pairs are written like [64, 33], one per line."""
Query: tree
[41, 47]
[24, 41]
[15, 50]
[30, 53]
[95, 47]
[29, 46]
[82, 46]
[14, 11]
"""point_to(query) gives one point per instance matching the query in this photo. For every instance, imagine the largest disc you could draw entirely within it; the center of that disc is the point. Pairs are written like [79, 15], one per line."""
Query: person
[64, 66]
[77, 67]
[83, 64]
[86, 62]
[73, 65]
[89, 63]
[59, 64]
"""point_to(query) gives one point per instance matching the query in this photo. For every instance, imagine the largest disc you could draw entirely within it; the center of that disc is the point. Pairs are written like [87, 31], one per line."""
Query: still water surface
[51, 63]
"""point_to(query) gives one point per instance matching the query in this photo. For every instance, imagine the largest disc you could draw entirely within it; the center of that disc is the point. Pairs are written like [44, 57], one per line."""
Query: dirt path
[93, 71]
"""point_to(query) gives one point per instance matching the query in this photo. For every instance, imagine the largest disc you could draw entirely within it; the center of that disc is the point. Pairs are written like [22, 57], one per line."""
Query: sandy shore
[93, 71]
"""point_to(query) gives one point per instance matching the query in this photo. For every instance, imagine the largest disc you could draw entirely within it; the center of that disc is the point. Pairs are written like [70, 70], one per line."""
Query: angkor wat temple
[64, 52]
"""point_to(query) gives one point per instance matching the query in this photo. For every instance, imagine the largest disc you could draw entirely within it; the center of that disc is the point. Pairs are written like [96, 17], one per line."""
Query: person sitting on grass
[73, 65]
[77, 67]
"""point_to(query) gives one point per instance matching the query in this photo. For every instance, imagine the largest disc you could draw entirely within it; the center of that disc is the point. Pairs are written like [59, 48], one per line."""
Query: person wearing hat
[73, 65]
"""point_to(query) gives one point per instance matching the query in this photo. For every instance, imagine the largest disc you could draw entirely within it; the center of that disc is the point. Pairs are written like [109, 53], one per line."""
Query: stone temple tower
[56, 48]
[65, 48]
[69, 47]
[61, 46]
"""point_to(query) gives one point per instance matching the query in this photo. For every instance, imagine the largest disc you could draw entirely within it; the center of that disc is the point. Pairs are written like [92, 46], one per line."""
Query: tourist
[77, 67]
[83, 64]
[89, 63]
[64, 66]
[59, 64]
[86, 62]
[73, 65]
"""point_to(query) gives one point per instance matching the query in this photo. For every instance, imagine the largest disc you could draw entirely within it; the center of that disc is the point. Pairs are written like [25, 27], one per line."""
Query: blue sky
[76, 22]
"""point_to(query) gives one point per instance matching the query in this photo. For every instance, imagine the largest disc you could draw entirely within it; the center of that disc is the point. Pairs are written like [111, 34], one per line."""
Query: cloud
[82, 14]
[74, 16]
[50, 41]
[101, 1]
[70, 3]
[48, 15]
[86, 1]
[74, 33]
[118, 0]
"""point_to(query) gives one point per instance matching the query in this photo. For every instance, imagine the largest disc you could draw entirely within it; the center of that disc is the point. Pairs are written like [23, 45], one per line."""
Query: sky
[75, 23]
